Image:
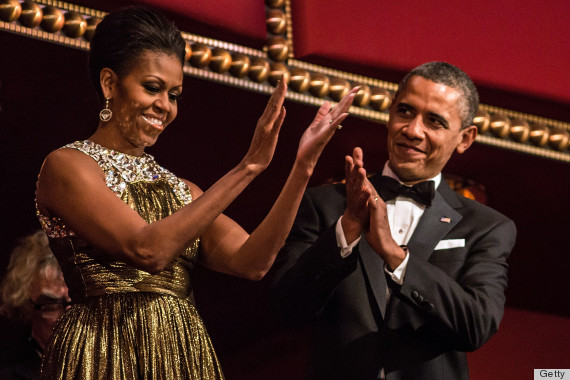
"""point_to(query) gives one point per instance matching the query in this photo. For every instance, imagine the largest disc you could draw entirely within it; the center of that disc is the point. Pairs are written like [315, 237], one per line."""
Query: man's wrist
[394, 260]
[397, 275]
[351, 226]
[345, 248]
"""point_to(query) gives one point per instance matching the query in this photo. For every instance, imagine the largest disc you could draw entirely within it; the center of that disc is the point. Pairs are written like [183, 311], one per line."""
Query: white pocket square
[450, 243]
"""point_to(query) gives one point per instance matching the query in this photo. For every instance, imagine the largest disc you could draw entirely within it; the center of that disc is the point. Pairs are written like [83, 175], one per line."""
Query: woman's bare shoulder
[64, 159]
[68, 166]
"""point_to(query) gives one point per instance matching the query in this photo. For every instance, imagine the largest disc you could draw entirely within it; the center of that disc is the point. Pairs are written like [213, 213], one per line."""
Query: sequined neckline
[115, 154]
[120, 169]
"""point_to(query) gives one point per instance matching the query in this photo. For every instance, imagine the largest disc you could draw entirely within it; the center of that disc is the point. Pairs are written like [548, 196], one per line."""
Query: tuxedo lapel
[434, 224]
[373, 265]
[373, 270]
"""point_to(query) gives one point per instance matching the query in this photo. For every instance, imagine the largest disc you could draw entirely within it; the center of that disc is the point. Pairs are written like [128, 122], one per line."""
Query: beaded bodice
[120, 169]
[154, 193]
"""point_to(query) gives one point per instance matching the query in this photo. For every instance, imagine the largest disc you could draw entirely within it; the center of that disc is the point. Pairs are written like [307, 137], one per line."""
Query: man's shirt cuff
[398, 274]
[345, 249]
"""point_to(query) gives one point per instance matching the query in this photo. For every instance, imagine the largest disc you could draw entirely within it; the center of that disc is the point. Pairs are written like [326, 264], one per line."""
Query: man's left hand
[379, 236]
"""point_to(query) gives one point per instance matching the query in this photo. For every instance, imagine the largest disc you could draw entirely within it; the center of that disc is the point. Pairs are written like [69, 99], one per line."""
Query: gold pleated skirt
[131, 336]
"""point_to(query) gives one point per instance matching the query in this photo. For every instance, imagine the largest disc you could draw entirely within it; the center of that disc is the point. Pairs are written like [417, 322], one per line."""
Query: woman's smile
[154, 122]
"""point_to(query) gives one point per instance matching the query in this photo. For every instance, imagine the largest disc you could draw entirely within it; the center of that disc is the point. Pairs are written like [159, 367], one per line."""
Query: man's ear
[468, 135]
[108, 81]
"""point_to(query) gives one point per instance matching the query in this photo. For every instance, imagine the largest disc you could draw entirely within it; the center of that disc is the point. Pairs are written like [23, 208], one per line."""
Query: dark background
[46, 101]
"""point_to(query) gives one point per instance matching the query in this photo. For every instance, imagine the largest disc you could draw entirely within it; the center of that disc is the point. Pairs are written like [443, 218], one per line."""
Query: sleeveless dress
[124, 322]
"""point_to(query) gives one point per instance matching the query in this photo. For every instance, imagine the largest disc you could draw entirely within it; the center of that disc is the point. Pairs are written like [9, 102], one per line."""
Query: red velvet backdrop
[519, 46]
[513, 45]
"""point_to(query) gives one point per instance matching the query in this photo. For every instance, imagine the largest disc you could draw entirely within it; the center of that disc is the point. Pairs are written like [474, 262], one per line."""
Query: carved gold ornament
[10, 10]
[31, 15]
[74, 25]
[240, 65]
[221, 60]
[260, 69]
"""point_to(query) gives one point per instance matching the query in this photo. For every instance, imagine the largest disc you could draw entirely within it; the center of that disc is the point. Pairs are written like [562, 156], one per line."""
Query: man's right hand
[356, 217]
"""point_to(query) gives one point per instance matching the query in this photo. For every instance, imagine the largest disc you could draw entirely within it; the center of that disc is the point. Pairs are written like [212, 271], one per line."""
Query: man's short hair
[452, 76]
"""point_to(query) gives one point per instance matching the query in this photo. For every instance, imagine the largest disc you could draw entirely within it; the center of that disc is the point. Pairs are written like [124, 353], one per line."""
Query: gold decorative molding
[258, 70]
[279, 30]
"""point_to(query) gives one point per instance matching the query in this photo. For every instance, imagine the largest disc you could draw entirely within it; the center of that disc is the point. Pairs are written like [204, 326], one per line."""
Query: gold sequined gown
[126, 323]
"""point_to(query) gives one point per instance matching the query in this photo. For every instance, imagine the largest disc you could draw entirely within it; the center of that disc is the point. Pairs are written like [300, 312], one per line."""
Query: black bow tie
[422, 192]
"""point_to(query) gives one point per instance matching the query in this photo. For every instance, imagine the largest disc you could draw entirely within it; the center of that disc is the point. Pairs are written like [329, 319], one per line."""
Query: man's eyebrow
[405, 105]
[434, 115]
[440, 118]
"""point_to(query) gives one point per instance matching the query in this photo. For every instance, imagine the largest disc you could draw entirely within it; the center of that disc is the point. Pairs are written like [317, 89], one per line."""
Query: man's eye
[436, 122]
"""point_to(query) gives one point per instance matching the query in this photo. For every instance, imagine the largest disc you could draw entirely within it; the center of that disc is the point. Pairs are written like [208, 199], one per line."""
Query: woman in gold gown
[127, 231]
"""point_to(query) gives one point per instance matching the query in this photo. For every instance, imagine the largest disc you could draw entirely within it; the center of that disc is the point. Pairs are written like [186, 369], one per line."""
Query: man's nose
[415, 128]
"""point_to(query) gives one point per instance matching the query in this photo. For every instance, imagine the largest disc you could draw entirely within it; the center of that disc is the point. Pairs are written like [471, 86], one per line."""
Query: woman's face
[144, 101]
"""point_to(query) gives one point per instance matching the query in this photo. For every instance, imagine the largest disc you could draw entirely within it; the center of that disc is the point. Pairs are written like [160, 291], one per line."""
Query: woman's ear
[108, 81]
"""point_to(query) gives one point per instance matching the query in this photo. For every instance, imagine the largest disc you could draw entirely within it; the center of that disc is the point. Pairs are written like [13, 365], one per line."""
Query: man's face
[424, 129]
[50, 293]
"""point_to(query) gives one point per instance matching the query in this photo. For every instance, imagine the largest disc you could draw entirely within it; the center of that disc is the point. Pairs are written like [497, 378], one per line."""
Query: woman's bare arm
[227, 248]
[72, 186]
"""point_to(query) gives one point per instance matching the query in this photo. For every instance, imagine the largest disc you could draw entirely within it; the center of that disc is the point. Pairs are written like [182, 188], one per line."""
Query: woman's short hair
[31, 259]
[123, 35]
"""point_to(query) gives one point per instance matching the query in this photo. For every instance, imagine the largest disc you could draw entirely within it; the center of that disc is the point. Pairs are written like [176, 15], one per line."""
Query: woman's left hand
[266, 132]
[321, 130]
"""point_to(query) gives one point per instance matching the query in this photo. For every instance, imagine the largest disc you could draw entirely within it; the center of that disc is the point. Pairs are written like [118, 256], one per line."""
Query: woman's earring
[106, 114]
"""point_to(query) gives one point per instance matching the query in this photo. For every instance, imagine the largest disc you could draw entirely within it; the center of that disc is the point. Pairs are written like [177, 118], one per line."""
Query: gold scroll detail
[259, 70]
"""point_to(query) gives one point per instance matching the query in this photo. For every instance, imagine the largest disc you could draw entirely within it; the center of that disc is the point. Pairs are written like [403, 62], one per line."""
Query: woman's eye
[173, 97]
[151, 89]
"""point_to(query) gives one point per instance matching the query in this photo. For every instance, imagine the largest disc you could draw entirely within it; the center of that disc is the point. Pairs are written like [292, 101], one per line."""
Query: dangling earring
[106, 114]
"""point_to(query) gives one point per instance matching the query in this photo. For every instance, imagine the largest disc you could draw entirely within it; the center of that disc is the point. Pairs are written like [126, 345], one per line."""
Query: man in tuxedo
[398, 273]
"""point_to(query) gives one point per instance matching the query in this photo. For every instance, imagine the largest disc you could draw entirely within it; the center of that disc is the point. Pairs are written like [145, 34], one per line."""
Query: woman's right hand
[266, 133]
[320, 131]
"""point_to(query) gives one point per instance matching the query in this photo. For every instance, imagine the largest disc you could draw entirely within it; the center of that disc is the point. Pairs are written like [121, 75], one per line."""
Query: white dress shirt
[403, 216]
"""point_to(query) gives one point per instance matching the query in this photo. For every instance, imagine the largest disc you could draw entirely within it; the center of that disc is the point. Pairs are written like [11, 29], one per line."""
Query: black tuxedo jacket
[451, 300]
